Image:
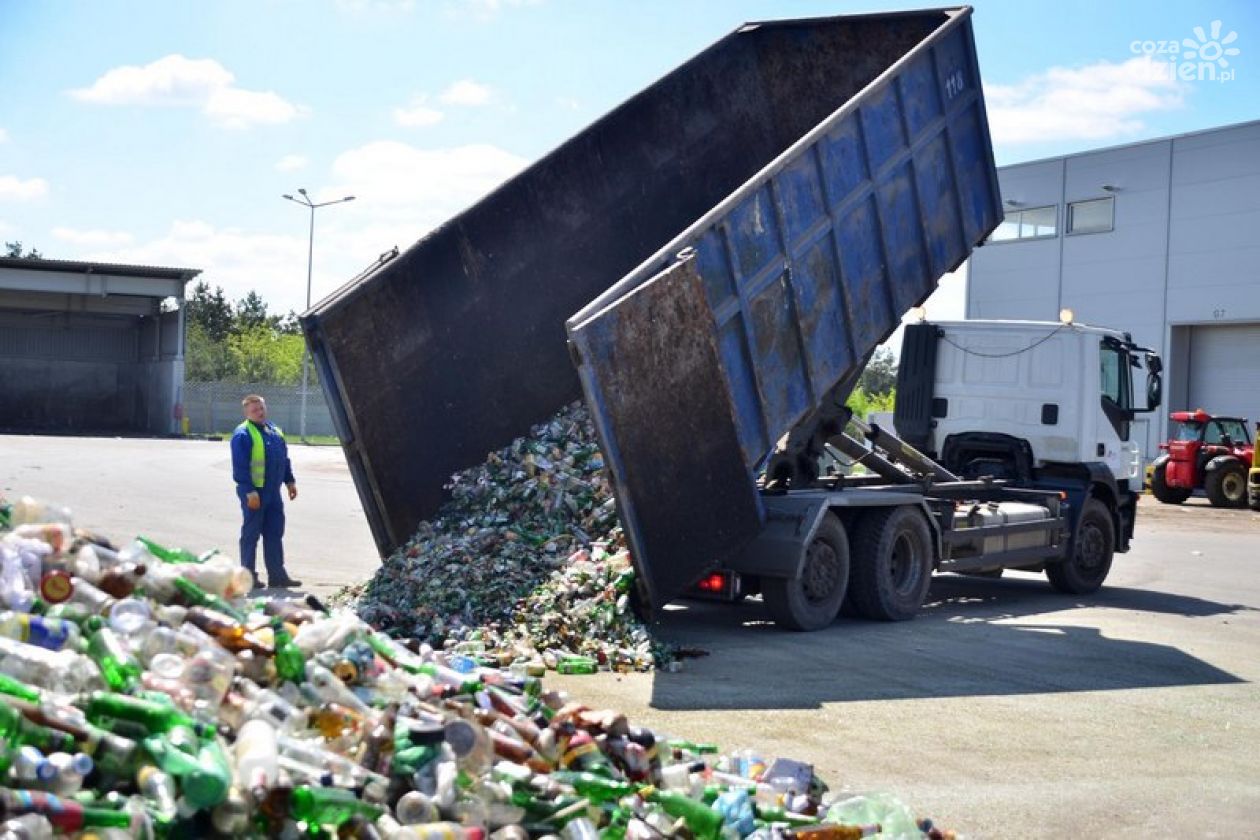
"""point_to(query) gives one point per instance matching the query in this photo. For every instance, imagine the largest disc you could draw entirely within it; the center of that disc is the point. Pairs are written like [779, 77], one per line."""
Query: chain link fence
[215, 407]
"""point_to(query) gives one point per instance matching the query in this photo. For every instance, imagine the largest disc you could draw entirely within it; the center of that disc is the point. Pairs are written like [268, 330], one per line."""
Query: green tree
[206, 360]
[13, 250]
[262, 354]
[251, 312]
[289, 324]
[211, 311]
[880, 375]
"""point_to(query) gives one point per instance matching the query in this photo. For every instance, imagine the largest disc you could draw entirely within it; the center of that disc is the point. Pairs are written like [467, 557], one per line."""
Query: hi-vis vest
[258, 454]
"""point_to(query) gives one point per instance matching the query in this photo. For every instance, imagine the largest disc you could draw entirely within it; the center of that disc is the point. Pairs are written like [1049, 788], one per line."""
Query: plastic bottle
[27, 827]
[325, 683]
[257, 756]
[94, 599]
[265, 704]
[472, 747]
[71, 769]
[62, 671]
[26, 510]
[159, 789]
[50, 633]
[231, 816]
[31, 768]
[16, 591]
[128, 616]
[64, 814]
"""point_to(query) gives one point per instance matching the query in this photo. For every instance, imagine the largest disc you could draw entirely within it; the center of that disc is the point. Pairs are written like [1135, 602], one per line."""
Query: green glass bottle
[290, 661]
[199, 597]
[692, 747]
[596, 788]
[107, 709]
[704, 822]
[328, 806]
[171, 555]
[19, 689]
[121, 670]
[16, 731]
[577, 665]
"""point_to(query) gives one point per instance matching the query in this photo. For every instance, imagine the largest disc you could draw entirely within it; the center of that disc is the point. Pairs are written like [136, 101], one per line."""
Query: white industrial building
[89, 347]
[1160, 239]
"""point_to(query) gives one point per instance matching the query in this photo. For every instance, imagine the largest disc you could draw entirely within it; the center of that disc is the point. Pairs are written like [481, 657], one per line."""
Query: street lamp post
[305, 201]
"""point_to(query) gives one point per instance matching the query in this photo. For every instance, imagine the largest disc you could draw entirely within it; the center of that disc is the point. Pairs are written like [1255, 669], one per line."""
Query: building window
[1029, 223]
[1094, 216]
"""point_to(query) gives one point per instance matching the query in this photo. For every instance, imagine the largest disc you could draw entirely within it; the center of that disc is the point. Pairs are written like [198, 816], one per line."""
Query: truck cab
[1042, 404]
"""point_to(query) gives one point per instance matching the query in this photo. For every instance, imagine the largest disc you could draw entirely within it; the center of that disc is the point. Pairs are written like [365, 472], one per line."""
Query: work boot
[258, 582]
[285, 582]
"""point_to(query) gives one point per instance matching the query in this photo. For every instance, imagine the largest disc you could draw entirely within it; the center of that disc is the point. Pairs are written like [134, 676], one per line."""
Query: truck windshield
[1188, 430]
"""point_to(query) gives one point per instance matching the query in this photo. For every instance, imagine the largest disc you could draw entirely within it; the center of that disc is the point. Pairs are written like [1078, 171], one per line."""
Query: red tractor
[1212, 453]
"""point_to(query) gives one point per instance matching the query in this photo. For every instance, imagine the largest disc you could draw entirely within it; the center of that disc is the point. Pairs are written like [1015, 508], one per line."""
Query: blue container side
[810, 265]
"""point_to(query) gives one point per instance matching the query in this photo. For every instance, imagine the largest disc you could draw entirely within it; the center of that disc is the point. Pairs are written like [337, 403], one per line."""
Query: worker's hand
[292, 491]
[252, 501]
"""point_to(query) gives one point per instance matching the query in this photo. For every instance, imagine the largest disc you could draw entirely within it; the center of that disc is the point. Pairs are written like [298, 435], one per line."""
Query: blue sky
[165, 133]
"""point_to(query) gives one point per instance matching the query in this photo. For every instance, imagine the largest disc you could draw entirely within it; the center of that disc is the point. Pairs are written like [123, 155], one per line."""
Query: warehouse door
[1225, 370]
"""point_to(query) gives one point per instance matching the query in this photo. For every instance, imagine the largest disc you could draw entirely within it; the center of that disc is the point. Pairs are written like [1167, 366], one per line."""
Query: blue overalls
[268, 521]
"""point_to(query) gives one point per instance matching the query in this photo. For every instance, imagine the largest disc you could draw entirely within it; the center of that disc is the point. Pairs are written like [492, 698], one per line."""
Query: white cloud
[465, 92]
[13, 188]
[93, 238]
[485, 10]
[1095, 102]
[291, 163]
[397, 182]
[177, 81]
[402, 192]
[417, 114]
[359, 6]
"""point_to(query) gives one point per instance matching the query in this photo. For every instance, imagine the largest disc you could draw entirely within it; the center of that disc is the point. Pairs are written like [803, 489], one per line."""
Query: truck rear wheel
[1227, 486]
[1095, 545]
[812, 600]
[1161, 491]
[893, 571]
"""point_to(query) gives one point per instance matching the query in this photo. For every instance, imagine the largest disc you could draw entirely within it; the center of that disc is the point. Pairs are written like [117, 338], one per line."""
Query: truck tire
[1161, 491]
[1093, 549]
[812, 600]
[893, 570]
[1226, 486]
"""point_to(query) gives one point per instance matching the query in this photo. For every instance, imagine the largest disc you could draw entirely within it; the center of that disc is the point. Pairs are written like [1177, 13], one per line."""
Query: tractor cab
[1204, 452]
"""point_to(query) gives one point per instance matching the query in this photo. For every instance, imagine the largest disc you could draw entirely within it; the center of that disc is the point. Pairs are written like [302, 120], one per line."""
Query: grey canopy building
[90, 347]
[1159, 238]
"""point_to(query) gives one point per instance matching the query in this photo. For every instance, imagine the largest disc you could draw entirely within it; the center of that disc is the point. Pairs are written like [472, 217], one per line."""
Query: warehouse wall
[1183, 249]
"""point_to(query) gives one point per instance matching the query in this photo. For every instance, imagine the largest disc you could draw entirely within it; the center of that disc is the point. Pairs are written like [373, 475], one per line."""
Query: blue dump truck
[710, 265]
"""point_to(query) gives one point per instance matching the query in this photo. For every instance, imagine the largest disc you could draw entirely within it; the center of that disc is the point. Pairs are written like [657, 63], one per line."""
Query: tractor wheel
[1094, 546]
[1161, 490]
[812, 601]
[893, 567]
[1227, 486]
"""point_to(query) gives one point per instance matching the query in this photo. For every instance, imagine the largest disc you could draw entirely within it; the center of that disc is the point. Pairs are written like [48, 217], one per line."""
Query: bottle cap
[55, 586]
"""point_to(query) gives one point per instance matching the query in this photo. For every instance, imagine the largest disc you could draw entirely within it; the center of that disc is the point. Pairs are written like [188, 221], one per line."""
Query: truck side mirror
[1154, 390]
[1153, 363]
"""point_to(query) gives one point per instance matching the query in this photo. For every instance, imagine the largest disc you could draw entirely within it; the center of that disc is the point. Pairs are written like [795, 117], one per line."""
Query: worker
[260, 464]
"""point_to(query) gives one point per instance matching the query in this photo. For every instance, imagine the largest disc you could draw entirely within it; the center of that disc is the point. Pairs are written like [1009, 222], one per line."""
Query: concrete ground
[1004, 710]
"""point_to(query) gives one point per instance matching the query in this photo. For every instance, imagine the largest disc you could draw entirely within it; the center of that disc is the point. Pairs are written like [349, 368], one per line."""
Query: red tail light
[715, 582]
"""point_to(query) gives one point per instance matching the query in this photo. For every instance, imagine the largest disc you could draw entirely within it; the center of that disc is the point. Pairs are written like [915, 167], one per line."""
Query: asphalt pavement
[1005, 710]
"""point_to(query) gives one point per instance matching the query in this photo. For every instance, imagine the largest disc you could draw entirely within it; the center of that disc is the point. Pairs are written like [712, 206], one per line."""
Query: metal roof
[114, 269]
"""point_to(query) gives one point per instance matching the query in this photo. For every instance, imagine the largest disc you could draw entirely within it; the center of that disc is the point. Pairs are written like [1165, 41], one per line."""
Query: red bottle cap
[55, 586]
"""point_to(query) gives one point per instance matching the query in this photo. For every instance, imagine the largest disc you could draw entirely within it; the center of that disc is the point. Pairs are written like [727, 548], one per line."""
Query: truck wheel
[1160, 489]
[812, 600]
[1227, 486]
[1087, 568]
[894, 564]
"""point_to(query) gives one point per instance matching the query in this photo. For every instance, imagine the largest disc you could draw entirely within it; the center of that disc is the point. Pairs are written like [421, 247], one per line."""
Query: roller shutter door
[1225, 370]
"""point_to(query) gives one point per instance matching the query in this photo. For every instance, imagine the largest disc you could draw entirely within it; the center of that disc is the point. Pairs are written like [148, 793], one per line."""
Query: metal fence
[215, 407]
